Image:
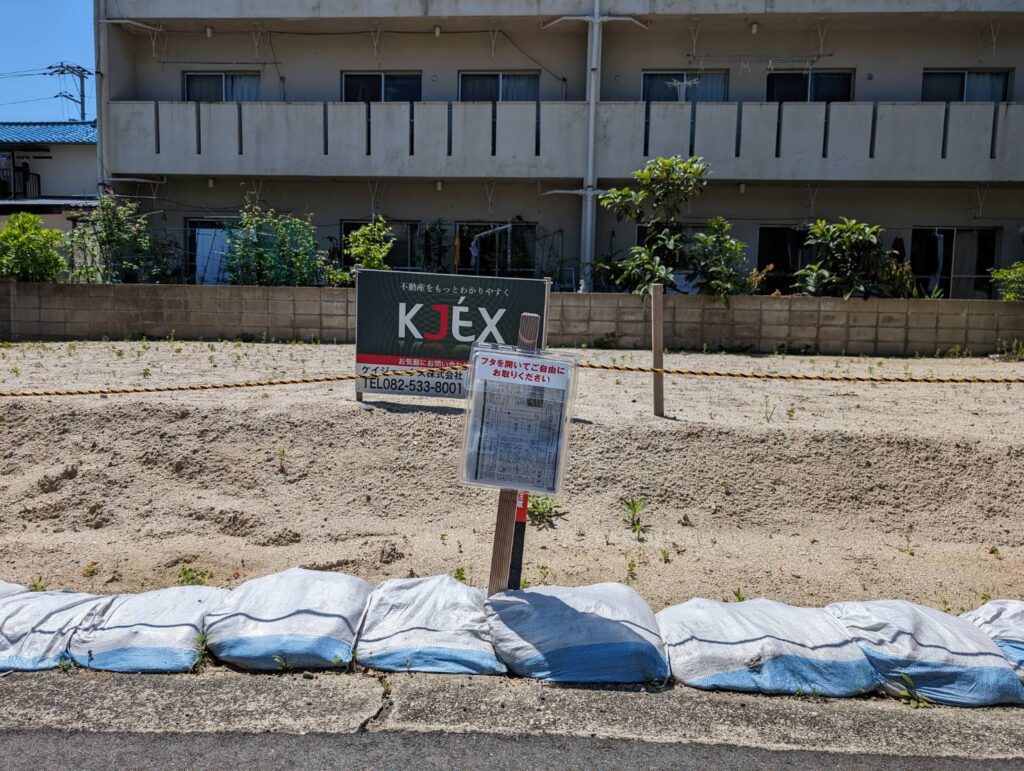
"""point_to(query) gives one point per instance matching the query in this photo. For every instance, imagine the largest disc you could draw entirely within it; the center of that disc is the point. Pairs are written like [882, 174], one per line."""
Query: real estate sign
[421, 321]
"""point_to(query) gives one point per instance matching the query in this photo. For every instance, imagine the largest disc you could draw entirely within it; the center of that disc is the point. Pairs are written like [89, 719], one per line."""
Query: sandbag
[762, 646]
[433, 624]
[604, 633]
[1003, 622]
[152, 632]
[36, 627]
[946, 659]
[298, 618]
[7, 590]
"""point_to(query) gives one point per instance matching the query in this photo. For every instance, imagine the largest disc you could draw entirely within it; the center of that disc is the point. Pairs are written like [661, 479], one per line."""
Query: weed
[15, 371]
[994, 551]
[38, 585]
[545, 574]
[459, 574]
[739, 595]
[908, 549]
[666, 556]
[606, 342]
[1010, 350]
[910, 696]
[986, 597]
[282, 664]
[71, 348]
[791, 412]
[119, 353]
[444, 538]
[203, 657]
[608, 538]
[189, 576]
[280, 460]
[66, 665]
[634, 510]
[543, 512]
[631, 569]
[146, 372]
[91, 570]
[580, 535]
[946, 607]
[769, 410]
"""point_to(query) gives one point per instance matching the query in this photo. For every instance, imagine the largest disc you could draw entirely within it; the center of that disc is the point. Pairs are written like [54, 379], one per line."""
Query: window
[499, 87]
[207, 240]
[810, 86]
[502, 253]
[222, 87]
[955, 260]
[381, 86]
[965, 86]
[685, 87]
[404, 255]
[783, 248]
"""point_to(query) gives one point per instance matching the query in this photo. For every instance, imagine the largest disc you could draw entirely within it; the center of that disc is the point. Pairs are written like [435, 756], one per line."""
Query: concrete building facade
[452, 117]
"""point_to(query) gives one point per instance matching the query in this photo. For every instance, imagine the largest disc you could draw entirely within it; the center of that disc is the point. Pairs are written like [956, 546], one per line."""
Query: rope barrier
[877, 379]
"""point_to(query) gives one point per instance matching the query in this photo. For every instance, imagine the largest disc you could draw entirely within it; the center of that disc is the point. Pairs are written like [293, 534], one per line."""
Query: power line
[26, 101]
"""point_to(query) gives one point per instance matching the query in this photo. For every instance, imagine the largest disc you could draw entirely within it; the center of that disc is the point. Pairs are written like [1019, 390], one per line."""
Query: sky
[39, 33]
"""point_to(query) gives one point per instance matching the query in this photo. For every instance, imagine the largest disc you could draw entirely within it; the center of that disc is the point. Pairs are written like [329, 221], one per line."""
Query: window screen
[222, 87]
[965, 86]
[810, 86]
[382, 87]
[499, 87]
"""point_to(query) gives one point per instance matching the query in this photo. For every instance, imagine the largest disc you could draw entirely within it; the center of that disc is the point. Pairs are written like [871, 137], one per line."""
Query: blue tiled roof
[48, 133]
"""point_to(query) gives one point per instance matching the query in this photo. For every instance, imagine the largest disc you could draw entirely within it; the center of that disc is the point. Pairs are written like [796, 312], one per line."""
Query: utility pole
[63, 68]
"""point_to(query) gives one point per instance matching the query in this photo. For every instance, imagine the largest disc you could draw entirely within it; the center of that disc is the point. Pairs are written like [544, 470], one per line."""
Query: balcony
[426, 139]
[748, 142]
[817, 142]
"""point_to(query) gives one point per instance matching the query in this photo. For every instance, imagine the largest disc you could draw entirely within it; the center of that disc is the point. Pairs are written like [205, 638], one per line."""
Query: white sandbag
[36, 627]
[151, 632]
[1003, 621]
[298, 618]
[947, 659]
[433, 624]
[604, 633]
[762, 646]
[8, 590]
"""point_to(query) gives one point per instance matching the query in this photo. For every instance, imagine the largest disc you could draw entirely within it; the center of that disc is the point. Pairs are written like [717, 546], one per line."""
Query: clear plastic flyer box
[519, 408]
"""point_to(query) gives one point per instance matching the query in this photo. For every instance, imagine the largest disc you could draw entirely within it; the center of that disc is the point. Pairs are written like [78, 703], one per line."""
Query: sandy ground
[802, 492]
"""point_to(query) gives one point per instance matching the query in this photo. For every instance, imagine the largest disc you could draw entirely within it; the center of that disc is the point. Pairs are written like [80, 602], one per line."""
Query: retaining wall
[765, 324]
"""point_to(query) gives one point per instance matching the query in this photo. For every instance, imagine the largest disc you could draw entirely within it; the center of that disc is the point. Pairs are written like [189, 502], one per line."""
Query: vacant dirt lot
[802, 492]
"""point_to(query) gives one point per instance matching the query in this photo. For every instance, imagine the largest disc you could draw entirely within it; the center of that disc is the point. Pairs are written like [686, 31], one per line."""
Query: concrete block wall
[761, 324]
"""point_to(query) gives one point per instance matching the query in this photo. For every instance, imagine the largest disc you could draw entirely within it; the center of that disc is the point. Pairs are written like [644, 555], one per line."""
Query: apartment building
[459, 117]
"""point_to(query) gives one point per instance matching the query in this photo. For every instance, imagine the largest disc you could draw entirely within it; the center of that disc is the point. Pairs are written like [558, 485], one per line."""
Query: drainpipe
[100, 35]
[588, 234]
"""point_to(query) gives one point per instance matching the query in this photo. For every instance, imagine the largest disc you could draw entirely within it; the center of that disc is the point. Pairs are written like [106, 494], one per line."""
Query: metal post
[590, 182]
[505, 526]
[658, 346]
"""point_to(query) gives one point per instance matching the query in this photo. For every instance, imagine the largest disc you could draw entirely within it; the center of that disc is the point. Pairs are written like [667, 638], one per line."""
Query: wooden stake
[505, 526]
[658, 346]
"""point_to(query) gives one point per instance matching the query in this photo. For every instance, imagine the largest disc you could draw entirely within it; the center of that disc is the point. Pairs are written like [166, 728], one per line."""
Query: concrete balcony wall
[377, 9]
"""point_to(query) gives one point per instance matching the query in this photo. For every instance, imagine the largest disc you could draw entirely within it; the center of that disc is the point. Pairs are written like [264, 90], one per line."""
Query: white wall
[64, 170]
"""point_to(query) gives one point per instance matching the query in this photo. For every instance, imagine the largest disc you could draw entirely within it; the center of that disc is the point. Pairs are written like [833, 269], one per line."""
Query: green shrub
[266, 248]
[28, 251]
[1009, 282]
[716, 263]
[664, 187]
[852, 262]
[370, 245]
[106, 243]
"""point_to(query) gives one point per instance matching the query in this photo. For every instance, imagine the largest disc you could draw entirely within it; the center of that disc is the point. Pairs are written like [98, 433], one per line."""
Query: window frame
[947, 276]
[501, 75]
[685, 74]
[413, 250]
[810, 73]
[223, 83]
[965, 72]
[383, 89]
[458, 225]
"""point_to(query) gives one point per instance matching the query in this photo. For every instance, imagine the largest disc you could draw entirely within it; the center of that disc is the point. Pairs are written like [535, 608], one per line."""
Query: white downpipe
[594, 40]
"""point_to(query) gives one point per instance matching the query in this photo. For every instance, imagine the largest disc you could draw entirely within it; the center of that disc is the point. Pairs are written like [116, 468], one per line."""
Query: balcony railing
[842, 142]
[19, 184]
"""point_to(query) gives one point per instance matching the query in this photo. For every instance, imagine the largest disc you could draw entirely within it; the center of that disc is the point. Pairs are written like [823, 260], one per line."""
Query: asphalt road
[60, 750]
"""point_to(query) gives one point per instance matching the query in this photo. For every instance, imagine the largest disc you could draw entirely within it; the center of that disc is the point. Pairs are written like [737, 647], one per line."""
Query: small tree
[716, 261]
[664, 188]
[107, 242]
[369, 246]
[28, 251]
[852, 262]
[266, 248]
[1010, 281]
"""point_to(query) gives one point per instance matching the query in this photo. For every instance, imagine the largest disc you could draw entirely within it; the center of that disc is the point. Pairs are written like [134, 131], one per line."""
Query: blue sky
[39, 33]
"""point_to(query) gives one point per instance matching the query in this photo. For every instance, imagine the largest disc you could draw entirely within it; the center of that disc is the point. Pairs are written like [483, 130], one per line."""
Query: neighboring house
[48, 168]
[489, 112]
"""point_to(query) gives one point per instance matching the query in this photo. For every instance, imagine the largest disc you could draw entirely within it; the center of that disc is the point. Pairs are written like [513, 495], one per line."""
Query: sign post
[516, 434]
[658, 346]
